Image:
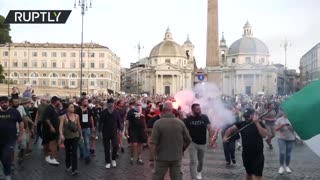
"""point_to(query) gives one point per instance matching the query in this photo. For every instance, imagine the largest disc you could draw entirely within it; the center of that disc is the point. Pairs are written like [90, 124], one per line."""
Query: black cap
[248, 112]
[110, 100]
[83, 93]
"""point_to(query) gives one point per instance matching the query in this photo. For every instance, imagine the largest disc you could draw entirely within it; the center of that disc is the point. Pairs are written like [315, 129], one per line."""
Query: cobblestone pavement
[305, 166]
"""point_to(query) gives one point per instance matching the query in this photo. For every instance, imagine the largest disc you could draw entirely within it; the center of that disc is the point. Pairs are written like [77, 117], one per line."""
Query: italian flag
[303, 110]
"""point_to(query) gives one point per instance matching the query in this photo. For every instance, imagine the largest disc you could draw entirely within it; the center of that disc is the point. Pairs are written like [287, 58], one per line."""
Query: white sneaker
[48, 160]
[114, 163]
[199, 175]
[108, 166]
[281, 170]
[54, 162]
[288, 170]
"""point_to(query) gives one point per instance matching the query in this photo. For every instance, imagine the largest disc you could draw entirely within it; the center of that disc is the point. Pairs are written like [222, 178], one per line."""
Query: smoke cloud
[209, 98]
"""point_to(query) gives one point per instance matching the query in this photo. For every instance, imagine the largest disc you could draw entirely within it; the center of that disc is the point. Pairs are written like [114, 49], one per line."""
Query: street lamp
[285, 45]
[84, 7]
[8, 81]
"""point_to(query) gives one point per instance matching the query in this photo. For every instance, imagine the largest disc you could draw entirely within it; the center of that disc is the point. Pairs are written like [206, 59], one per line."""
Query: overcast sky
[121, 24]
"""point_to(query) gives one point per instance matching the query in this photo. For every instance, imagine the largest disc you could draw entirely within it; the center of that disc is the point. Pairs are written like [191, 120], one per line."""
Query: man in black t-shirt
[252, 136]
[9, 117]
[198, 124]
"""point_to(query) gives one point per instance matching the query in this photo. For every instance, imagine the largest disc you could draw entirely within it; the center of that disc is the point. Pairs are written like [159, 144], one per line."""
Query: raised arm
[229, 132]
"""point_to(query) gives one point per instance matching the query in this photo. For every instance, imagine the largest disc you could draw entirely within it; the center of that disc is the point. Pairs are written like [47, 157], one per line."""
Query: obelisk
[214, 71]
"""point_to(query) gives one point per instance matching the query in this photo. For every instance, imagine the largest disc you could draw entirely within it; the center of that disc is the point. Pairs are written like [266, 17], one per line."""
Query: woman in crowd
[70, 133]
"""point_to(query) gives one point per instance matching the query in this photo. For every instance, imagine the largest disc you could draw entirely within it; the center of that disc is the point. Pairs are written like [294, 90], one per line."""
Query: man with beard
[136, 132]
[110, 124]
[9, 117]
[51, 130]
[252, 141]
[87, 125]
[198, 124]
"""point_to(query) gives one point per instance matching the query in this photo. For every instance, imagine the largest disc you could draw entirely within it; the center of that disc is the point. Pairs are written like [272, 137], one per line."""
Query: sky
[122, 24]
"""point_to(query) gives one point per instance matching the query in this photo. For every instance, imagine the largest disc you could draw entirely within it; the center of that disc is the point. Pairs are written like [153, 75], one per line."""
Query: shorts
[253, 163]
[270, 129]
[137, 136]
[48, 136]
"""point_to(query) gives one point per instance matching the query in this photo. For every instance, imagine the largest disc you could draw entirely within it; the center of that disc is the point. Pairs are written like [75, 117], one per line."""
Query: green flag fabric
[303, 110]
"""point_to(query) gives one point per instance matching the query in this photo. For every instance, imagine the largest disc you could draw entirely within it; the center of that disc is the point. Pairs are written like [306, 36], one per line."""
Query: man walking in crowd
[87, 125]
[39, 118]
[169, 139]
[136, 130]
[110, 125]
[270, 119]
[286, 139]
[51, 130]
[198, 124]
[9, 117]
[122, 111]
[252, 142]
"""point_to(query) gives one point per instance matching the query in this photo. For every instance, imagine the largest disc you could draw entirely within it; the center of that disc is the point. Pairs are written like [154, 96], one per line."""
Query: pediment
[166, 66]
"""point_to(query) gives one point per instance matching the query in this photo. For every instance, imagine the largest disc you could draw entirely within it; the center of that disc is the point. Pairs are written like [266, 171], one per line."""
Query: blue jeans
[285, 148]
[84, 147]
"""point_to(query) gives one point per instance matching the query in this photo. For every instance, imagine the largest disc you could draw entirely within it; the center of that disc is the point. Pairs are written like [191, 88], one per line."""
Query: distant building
[168, 69]
[310, 66]
[291, 77]
[57, 65]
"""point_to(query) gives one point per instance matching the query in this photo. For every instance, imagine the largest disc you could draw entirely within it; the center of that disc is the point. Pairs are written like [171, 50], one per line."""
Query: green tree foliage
[4, 31]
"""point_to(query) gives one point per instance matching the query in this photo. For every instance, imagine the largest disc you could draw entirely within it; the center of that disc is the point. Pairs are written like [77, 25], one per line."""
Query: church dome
[167, 48]
[248, 44]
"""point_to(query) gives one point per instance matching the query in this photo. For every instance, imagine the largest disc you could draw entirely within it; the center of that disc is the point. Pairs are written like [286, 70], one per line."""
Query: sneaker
[54, 162]
[108, 166]
[228, 163]
[114, 163]
[288, 170]
[234, 162]
[199, 175]
[97, 137]
[68, 169]
[140, 162]
[281, 170]
[74, 173]
[48, 160]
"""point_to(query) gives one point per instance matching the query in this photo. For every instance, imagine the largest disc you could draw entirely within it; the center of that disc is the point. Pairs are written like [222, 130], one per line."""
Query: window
[63, 75]
[44, 64]
[44, 54]
[25, 82]
[25, 74]
[101, 75]
[25, 64]
[92, 83]
[54, 64]
[15, 64]
[53, 83]
[101, 83]
[63, 54]
[63, 83]
[92, 54]
[73, 54]
[5, 53]
[233, 60]
[101, 65]
[73, 83]
[44, 82]
[5, 63]
[83, 54]
[34, 82]
[92, 65]
[53, 54]
[34, 64]
[262, 60]
[167, 61]
[101, 55]
[34, 54]
[15, 53]
[73, 64]
[44, 75]
[248, 59]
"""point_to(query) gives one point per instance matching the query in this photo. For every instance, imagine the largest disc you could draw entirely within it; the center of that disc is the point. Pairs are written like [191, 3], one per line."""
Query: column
[254, 90]
[161, 85]
[174, 84]
[156, 87]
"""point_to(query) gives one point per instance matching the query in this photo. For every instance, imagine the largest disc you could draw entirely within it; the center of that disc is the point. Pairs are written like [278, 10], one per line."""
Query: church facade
[246, 66]
[168, 69]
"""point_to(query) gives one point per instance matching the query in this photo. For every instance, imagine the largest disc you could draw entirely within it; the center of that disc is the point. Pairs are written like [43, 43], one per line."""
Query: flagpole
[238, 131]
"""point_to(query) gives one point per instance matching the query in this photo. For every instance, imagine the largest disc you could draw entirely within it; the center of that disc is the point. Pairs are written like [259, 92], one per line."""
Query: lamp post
[84, 7]
[9, 61]
[285, 45]
[139, 47]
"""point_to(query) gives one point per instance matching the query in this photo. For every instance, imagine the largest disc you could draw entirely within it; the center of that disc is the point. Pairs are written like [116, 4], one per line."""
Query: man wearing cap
[51, 130]
[109, 125]
[252, 136]
[39, 119]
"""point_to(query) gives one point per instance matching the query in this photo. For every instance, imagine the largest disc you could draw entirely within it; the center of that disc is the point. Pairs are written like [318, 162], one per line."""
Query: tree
[1, 74]
[4, 31]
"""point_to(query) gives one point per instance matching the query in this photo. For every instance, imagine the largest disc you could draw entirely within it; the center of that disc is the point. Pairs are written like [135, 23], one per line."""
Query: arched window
[34, 75]
[53, 75]
[73, 75]
[92, 75]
